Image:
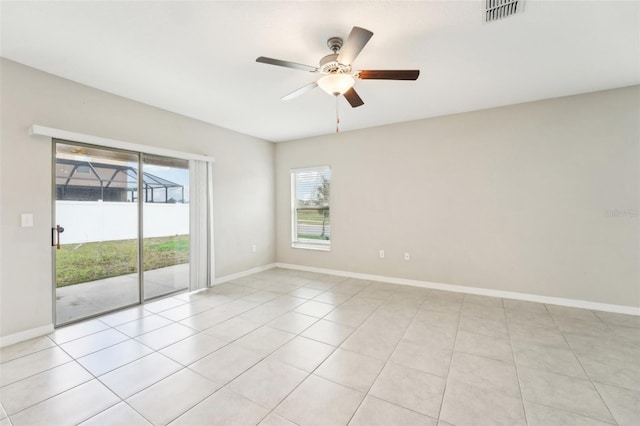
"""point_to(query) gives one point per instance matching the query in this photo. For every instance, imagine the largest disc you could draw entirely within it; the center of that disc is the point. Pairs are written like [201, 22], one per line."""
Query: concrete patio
[83, 300]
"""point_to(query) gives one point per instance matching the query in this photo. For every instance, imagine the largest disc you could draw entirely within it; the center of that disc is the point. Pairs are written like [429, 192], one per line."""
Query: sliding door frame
[140, 230]
[64, 136]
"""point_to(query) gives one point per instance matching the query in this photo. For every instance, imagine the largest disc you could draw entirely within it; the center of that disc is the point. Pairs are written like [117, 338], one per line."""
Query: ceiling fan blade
[351, 48]
[286, 64]
[300, 91]
[389, 74]
[353, 98]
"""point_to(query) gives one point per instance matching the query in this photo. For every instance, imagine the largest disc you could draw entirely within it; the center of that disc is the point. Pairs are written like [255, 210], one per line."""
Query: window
[311, 226]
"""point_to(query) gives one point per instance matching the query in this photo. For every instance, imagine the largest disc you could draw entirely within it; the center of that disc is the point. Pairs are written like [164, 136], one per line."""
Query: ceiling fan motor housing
[330, 65]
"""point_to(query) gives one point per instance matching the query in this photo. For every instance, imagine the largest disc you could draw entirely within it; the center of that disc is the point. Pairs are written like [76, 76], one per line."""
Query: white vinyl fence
[91, 221]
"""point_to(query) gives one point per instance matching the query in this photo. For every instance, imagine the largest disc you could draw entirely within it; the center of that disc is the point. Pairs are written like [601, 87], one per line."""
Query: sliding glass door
[120, 231]
[166, 225]
[95, 231]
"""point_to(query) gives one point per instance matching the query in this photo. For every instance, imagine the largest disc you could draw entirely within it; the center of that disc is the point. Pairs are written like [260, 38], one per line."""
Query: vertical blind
[202, 273]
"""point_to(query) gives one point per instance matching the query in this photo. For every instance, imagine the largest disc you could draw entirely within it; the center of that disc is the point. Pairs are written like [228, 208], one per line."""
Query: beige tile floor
[285, 347]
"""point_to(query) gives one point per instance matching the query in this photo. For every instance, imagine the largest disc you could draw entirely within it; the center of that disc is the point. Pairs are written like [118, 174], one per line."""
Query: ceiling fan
[338, 77]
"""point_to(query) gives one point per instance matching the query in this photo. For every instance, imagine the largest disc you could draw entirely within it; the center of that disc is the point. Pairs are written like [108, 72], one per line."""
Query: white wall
[89, 221]
[243, 181]
[537, 198]
[521, 198]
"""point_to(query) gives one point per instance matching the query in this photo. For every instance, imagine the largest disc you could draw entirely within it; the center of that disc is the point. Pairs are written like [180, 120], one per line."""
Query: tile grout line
[266, 356]
[237, 297]
[584, 369]
[156, 351]
[73, 360]
[555, 347]
[97, 378]
[385, 364]
[515, 365]
[318, 366]
[453, 350]
[129, 338]
[187, 366]
[299, 335]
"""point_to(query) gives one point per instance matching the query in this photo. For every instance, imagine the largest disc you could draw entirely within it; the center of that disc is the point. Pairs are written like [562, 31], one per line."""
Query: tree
[322, 201]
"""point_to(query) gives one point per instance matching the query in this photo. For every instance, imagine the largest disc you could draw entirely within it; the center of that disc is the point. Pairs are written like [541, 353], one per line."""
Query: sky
[173, 174]
[308, 181]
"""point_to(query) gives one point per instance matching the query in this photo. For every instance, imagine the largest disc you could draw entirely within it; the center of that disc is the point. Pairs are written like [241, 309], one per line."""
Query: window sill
[307, 246]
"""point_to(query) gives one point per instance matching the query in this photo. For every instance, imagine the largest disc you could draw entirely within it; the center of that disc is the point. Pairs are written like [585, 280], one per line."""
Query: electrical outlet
[254, 248]
[381, 254]
[407, 256]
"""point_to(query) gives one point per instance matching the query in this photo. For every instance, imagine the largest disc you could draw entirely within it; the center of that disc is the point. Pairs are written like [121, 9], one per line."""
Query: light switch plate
[26, 220]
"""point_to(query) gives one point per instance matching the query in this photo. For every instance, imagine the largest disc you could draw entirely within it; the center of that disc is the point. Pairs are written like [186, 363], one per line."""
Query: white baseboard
[573, 303]
[241, 274]
[25, 335]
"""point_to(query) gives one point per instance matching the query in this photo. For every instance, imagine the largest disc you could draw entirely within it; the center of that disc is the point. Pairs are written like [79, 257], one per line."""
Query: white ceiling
[198, 58]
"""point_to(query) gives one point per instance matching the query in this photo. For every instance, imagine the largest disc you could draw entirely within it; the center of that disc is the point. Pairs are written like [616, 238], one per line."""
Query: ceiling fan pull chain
[337, 117]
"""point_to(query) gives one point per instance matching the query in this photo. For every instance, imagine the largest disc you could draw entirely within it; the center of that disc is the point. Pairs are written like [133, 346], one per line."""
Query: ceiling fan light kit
[336, 84]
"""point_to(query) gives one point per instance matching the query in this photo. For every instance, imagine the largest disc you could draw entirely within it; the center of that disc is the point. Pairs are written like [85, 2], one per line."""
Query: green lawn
[79, 263]
[310, 216]
[312, 237]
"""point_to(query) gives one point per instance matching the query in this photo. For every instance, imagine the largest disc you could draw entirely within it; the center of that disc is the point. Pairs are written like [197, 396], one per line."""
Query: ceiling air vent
[498, 9]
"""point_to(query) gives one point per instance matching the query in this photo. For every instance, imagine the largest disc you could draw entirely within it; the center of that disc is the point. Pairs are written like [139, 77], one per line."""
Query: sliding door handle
[55, 236]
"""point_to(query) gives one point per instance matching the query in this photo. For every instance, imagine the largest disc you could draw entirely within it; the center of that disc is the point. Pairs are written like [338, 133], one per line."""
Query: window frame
[308, 244]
